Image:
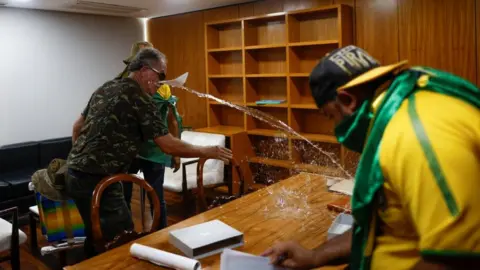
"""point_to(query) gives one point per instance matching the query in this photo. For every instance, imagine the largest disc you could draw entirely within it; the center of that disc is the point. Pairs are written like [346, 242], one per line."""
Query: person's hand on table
[218, 152]
[291, 255]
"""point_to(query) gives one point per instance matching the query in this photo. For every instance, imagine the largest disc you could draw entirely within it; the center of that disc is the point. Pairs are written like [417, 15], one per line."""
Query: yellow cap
[373, 74]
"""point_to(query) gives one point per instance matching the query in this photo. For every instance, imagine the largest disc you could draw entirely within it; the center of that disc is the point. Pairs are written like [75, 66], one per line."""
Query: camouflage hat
[136, 48]
[50, 182]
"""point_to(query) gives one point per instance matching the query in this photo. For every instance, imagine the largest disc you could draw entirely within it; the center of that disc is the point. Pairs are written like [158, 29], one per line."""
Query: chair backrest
[205, 139]
[54, 148]
[100, 243]
[19, 157]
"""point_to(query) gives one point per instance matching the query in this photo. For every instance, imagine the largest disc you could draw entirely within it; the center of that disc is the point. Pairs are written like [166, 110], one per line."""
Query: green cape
[149, 150]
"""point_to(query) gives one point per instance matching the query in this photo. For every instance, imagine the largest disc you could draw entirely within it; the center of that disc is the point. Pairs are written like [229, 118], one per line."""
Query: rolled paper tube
[163, 258]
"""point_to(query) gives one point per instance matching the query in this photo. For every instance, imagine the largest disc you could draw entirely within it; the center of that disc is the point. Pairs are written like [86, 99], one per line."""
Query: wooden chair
[184, 181]
[11, 237]
[100, 243]
[202, 204]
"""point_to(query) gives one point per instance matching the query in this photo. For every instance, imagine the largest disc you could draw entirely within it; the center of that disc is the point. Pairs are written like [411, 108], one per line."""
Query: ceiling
[128, 8]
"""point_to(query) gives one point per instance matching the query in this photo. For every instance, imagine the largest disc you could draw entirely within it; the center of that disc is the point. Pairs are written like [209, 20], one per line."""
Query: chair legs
[189, 203]
[14, 255]
[33, 232]
[15, 259]
[142, 207]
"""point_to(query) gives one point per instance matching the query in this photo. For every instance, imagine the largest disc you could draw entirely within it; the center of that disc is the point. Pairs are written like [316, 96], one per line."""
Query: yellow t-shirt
[425, 215]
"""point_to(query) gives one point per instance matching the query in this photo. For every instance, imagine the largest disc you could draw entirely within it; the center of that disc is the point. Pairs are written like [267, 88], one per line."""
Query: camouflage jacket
[118, 119]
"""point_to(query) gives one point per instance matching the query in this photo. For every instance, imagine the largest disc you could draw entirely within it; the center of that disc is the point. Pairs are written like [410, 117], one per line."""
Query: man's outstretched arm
[175, 147]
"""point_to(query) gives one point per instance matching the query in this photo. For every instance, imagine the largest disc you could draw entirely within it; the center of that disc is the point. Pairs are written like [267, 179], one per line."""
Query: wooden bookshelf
[261, 88]
[267, 132]
[253, 104]
[265, 30]
[273, 162]
[225, 63]
[227, 130]
[221, 115]
[270, 58]
[230, 49]
[270, 112]
[229, 89]
[302, 119]
[312, 25]
[266, 61]
[304, 58]
[224, 35]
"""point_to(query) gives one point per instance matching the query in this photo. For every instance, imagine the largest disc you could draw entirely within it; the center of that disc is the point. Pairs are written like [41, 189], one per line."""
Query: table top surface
[293, 209]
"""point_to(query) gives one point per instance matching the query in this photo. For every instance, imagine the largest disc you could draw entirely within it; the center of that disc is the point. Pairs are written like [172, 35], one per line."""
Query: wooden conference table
[293, 209]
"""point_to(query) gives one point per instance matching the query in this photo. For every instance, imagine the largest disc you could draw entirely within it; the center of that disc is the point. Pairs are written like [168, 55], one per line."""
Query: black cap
[336, 69]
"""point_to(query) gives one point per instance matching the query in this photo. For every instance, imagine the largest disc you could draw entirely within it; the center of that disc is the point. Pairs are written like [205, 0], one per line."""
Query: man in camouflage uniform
[119, 117]
[136, 47]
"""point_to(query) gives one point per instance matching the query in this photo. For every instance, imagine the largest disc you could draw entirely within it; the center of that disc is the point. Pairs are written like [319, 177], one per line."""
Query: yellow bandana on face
[164, 91]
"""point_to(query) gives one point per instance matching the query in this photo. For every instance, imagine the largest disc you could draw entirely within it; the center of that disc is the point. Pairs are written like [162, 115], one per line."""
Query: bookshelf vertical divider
[270, 58]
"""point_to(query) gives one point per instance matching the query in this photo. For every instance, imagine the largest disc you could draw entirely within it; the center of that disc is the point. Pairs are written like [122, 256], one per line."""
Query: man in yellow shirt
[415, 200]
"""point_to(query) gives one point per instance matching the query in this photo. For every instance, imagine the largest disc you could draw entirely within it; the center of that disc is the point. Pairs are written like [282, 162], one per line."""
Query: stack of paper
[236, 260]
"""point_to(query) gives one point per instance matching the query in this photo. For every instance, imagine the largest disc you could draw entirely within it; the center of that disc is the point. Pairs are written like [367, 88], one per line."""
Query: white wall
[50, 63]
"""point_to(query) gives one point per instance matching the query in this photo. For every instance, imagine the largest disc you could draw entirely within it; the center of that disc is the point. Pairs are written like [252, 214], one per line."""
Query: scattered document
[341, 224]
[344, 186]
[236, 260]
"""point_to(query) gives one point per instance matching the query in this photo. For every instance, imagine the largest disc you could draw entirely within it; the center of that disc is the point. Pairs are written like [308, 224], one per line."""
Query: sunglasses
[161, 75]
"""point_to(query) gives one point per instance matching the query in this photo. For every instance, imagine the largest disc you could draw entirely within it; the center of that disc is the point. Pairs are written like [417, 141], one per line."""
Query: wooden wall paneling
[377, 29]
[221, 13]
[346, 32]
[267, 6]
[185, 51]
[345, 2]
[245, 10]
[440, 34]
[157, 32]
[290, 5]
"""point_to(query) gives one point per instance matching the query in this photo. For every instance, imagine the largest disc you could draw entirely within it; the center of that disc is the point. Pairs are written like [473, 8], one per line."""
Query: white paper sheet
[344, 186]
[236, 260]
[163, 258]
[341, 228]
[177, 82]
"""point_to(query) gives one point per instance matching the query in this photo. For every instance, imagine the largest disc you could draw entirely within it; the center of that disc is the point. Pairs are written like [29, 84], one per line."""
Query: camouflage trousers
[115, 217]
